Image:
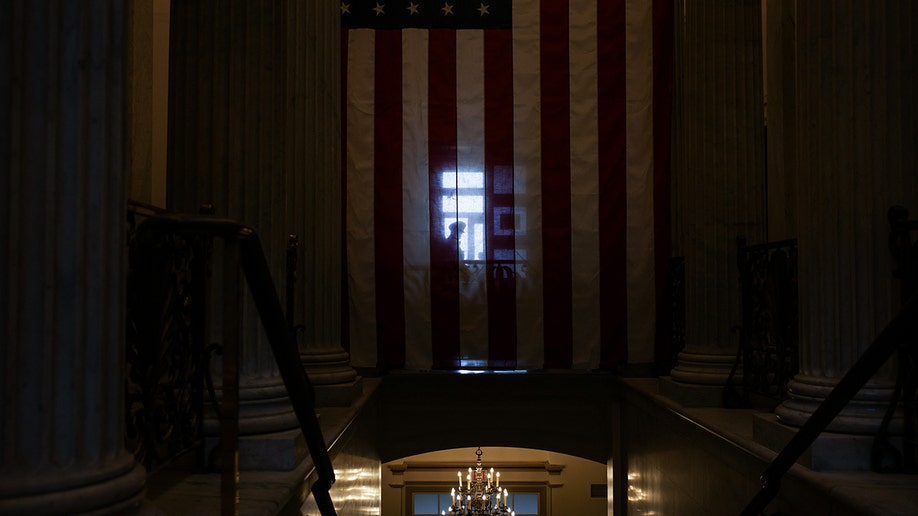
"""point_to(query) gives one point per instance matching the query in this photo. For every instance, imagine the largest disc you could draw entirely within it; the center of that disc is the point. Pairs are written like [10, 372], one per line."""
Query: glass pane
[526, 503]
[448, 204]
[470, 203]
[452, 179]
[477, 253]
[471, 179]
[426, 503]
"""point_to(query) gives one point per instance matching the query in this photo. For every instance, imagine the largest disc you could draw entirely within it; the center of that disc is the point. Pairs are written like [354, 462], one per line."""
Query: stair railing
[901, 334]
[243, 251]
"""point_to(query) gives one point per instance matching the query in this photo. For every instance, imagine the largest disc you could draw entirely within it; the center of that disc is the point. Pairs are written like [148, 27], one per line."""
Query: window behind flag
[507, 121]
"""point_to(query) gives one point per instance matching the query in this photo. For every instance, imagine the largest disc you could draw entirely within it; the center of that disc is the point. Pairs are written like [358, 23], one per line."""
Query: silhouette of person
[445, 260]
[455, 233]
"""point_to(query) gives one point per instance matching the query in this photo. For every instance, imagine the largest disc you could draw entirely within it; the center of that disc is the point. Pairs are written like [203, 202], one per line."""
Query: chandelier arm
[475, 496]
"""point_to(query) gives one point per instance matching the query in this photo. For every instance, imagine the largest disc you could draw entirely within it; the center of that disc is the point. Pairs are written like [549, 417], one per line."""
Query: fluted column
[856, 157]
[314, 196]
[62, 224]
[226, 145]
[718, 181]
[780, 77]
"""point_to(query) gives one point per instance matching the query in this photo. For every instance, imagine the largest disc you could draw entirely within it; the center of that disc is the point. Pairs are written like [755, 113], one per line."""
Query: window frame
[541, 488]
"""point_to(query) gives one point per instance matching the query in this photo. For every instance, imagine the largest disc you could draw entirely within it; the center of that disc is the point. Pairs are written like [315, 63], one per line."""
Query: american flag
[540, 128]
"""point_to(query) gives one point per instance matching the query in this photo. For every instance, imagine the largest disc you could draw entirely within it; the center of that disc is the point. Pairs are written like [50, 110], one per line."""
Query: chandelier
[480, 493]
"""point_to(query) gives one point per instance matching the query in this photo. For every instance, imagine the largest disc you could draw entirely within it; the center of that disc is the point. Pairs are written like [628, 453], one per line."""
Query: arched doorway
[539, 482]
[536, 416]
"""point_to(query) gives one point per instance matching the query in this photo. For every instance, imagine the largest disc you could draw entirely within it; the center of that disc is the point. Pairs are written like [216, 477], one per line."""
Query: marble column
[62, 224]
[314, 196]
[718, 182]
[856, 129]
[780, 113]
[226, 141]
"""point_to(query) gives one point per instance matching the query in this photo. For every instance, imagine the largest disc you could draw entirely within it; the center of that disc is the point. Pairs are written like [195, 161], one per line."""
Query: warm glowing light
[481, 493]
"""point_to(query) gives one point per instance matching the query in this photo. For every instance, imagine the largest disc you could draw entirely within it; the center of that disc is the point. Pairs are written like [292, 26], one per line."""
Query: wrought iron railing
[905, 257]
[242, 253]
[767, 351]
[900, 335]
[671, 320]
[165, 358]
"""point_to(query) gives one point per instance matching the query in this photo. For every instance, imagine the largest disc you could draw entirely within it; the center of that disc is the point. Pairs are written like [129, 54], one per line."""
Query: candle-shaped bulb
[497, 482]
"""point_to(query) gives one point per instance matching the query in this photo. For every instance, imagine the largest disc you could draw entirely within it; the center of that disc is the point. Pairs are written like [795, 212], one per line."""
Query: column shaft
[62, 222]
[856, 128]
[718, 183]
[315, 195]
[226, 147]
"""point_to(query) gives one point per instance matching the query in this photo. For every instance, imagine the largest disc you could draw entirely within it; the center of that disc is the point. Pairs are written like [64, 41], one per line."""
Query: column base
[120, 493]
[705, 369]
[829, 452]
[334, 380]
[339, 394]
[264, 408]
[862, 415]
[280, 451]
[328, 366]
[693, 395]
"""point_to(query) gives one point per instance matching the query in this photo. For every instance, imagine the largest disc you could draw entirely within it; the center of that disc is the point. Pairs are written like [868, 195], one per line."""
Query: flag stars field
[426, 14]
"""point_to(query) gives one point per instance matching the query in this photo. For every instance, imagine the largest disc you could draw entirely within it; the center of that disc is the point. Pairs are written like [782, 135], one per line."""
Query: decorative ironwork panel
[165, 331]
[672, 321]
[904, 251]
[768, 280]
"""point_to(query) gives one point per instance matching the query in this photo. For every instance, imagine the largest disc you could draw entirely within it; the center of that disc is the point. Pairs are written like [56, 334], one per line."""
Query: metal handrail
[258, 277]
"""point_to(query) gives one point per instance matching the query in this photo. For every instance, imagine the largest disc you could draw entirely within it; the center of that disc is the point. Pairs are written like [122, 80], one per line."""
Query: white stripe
[415, 193]
[639, 185]
[584, 184]
[360, 239]
[527, 184]
[473, 294]
[360, 225]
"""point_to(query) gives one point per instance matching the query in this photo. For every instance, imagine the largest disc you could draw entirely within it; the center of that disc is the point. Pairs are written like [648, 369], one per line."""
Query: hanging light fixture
[480, 494]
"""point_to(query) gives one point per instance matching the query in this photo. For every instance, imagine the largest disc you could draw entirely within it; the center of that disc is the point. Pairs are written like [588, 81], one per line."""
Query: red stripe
[499, 215]
[387, 209]
[613, 300]
[556, 184]
[662, 111]
[345, 299]
[442, 135]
